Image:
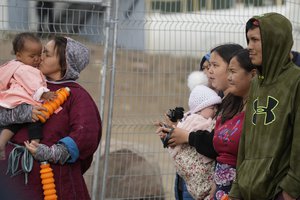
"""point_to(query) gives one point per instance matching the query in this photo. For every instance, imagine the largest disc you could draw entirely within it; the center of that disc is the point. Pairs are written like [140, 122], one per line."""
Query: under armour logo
[265, 110]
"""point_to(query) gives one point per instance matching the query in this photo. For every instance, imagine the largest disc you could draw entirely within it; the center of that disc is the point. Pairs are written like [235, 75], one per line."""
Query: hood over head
[77, 57]
[277, 42]
[206, 57]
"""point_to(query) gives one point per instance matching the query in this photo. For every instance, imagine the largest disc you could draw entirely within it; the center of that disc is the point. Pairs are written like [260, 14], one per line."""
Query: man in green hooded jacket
[268, 165]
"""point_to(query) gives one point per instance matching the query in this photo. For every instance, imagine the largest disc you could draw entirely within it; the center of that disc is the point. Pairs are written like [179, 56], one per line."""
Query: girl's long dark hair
[231, 104]
[227, 51]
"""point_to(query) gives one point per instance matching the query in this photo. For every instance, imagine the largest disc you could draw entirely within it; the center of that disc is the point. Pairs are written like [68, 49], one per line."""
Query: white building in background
[181, 27]
[192, 27]
[200, 31]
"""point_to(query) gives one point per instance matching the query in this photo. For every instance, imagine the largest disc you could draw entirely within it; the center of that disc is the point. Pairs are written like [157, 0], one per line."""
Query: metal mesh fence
[141, 54]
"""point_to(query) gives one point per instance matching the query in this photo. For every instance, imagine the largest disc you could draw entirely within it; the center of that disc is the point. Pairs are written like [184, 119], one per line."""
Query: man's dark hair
[296, 58]
[252, 24]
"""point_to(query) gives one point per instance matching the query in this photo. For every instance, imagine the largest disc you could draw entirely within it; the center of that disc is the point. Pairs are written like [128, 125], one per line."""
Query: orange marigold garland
[53, 105]
[225, 197]
[47, 177]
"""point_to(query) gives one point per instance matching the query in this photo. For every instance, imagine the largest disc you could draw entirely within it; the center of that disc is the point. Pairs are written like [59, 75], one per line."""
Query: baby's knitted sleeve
[19, 114]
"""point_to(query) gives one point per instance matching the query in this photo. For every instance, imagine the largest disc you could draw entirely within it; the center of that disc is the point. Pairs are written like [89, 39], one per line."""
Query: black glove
[175, 114]
[166, 139]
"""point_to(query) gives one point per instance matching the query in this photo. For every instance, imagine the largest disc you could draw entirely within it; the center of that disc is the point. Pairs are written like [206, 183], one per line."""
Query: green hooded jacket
[269, 151]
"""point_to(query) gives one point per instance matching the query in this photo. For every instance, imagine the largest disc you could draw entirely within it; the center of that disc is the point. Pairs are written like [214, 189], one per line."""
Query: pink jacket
[193, 122]
[20, 83]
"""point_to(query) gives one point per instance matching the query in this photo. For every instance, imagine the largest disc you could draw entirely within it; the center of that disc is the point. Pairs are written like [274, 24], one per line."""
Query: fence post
[102, 97]
[111, 100]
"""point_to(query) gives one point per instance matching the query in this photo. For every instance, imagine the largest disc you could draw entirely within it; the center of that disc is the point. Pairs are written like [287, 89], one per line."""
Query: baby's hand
[32, 146]
[49, 96]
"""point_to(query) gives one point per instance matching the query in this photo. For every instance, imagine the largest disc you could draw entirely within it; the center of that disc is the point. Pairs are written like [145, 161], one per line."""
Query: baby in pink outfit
[21, 82]
[194, 168]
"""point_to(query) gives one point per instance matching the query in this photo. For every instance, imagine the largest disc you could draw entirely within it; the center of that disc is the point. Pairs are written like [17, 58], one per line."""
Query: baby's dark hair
[19, 41]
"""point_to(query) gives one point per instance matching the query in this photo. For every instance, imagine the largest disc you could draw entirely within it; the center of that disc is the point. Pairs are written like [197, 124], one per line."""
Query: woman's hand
[168, 121]
[160, 129]
[213, 190]
[32, 146]
[57, 153]
[178, 136]
[37, 110]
